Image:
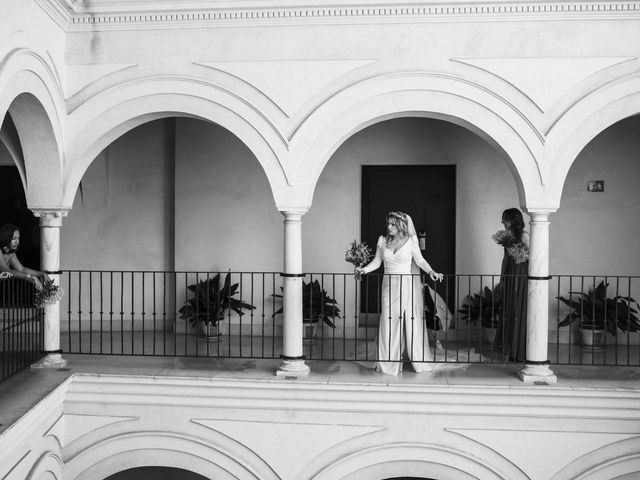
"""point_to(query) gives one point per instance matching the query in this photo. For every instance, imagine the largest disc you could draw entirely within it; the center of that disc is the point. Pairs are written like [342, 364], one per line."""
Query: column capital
[538, 213]
[50, 217]
[293, 214]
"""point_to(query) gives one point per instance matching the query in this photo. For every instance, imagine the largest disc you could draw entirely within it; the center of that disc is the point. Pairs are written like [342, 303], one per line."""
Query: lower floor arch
[414, 461]
[156, 473]
[198, 457]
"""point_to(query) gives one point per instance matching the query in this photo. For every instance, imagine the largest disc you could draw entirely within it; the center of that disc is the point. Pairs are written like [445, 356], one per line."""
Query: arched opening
[155, 473]
[172, 202]
[604, 213]
[167, 195]
[593, 249]
[485, 187]
[458, 212]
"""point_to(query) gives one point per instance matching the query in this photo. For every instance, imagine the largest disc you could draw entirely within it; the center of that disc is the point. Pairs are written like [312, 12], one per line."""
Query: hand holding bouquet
[49, 294]
[359, 254]
[503, 237]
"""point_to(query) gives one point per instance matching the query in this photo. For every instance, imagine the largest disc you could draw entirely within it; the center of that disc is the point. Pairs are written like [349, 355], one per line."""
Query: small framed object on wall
[595, 186]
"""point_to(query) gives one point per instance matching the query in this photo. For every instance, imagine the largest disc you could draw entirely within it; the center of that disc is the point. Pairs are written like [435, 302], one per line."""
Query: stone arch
[167, 449]
[108, 115]
[588, 118]
[616, 460]
[30, 93]
[416, 460]
[427, 95]
[48, 466]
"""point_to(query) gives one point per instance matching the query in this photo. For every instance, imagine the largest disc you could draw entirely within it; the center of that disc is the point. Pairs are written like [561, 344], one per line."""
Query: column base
[293, 368]
[538, 373]
[51, 360]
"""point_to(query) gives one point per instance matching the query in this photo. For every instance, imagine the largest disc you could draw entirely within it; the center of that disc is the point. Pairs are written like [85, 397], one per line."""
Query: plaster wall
[597, 232]
[225, 216]
[392, 42]
[120, 217]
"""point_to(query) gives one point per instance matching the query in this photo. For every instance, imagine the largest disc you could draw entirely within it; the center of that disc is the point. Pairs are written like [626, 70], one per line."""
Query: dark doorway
[409, 478]
[428, 194]
[155, 473]
[13, 209]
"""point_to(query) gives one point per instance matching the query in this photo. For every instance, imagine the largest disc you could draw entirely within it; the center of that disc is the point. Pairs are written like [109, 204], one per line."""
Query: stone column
[537, 363]
[50, 223]
[292, 353]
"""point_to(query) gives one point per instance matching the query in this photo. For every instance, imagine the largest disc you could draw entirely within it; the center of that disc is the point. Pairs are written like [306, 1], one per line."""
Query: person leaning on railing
[10, 266]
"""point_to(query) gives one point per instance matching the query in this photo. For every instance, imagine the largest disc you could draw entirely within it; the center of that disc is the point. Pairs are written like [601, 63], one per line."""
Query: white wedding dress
[402, 323]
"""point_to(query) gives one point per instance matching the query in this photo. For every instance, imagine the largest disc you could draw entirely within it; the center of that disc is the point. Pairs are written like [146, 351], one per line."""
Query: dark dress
[512, 332]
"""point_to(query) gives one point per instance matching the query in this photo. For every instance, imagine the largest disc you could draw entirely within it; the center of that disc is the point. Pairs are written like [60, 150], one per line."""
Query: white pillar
[292, 353]
[50, 223]
[537, 363]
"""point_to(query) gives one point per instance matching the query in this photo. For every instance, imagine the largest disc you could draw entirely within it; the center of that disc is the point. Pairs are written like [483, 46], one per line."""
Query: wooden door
[428, 194]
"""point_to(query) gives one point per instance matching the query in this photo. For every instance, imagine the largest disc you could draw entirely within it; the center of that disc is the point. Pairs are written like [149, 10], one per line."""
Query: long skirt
[512, 332]
[402, 327]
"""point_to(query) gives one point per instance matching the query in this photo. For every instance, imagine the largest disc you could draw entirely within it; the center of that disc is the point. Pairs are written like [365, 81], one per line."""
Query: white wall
[596, 233]
[225, 213]
[119, 218]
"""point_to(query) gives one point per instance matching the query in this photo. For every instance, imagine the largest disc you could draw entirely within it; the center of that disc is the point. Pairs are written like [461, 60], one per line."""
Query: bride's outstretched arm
[377, 259]
[421, 262]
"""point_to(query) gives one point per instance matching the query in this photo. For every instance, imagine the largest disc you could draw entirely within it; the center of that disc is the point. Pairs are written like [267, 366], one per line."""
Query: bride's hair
[399, 220]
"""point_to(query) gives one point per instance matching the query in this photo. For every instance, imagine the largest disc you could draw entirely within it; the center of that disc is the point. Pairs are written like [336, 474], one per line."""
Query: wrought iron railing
[598, 316]
[156, 314]
[21, 336]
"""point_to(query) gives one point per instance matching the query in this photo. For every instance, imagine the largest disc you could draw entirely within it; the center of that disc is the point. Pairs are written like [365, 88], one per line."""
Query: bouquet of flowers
[519, 252]
[516, 250]
[358, 253]
[48, 295]
[503, 237]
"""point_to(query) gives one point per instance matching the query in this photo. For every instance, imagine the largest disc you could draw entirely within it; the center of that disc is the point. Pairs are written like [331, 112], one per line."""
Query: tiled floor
[21, 392]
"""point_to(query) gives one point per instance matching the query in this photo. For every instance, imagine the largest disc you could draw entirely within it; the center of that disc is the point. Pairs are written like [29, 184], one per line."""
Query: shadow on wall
[155, 473]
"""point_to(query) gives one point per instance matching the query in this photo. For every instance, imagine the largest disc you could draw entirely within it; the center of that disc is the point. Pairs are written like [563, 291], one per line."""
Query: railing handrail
[237, 272]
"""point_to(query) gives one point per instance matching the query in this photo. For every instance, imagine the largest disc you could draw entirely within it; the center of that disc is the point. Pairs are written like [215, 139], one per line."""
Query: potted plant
[209, 303]
[485, 306]
[316, 305]
[598, 314]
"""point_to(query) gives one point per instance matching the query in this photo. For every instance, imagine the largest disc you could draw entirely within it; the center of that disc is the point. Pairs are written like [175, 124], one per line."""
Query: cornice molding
[75, 15]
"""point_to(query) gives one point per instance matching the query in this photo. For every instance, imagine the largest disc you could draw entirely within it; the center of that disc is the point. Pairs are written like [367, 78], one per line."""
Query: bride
[402, 301]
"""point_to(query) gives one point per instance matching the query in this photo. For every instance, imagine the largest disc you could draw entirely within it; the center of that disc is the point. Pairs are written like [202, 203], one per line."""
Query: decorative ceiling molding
[76, 15]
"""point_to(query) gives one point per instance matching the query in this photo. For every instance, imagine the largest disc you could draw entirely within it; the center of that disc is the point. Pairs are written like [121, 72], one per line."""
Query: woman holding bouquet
[402, 301]
[10, 266]
[512, 331]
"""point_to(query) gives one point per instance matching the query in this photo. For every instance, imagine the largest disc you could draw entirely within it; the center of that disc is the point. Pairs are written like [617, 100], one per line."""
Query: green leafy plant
[316, 304]
[486, 306]
[210, 301]
[597, 312]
